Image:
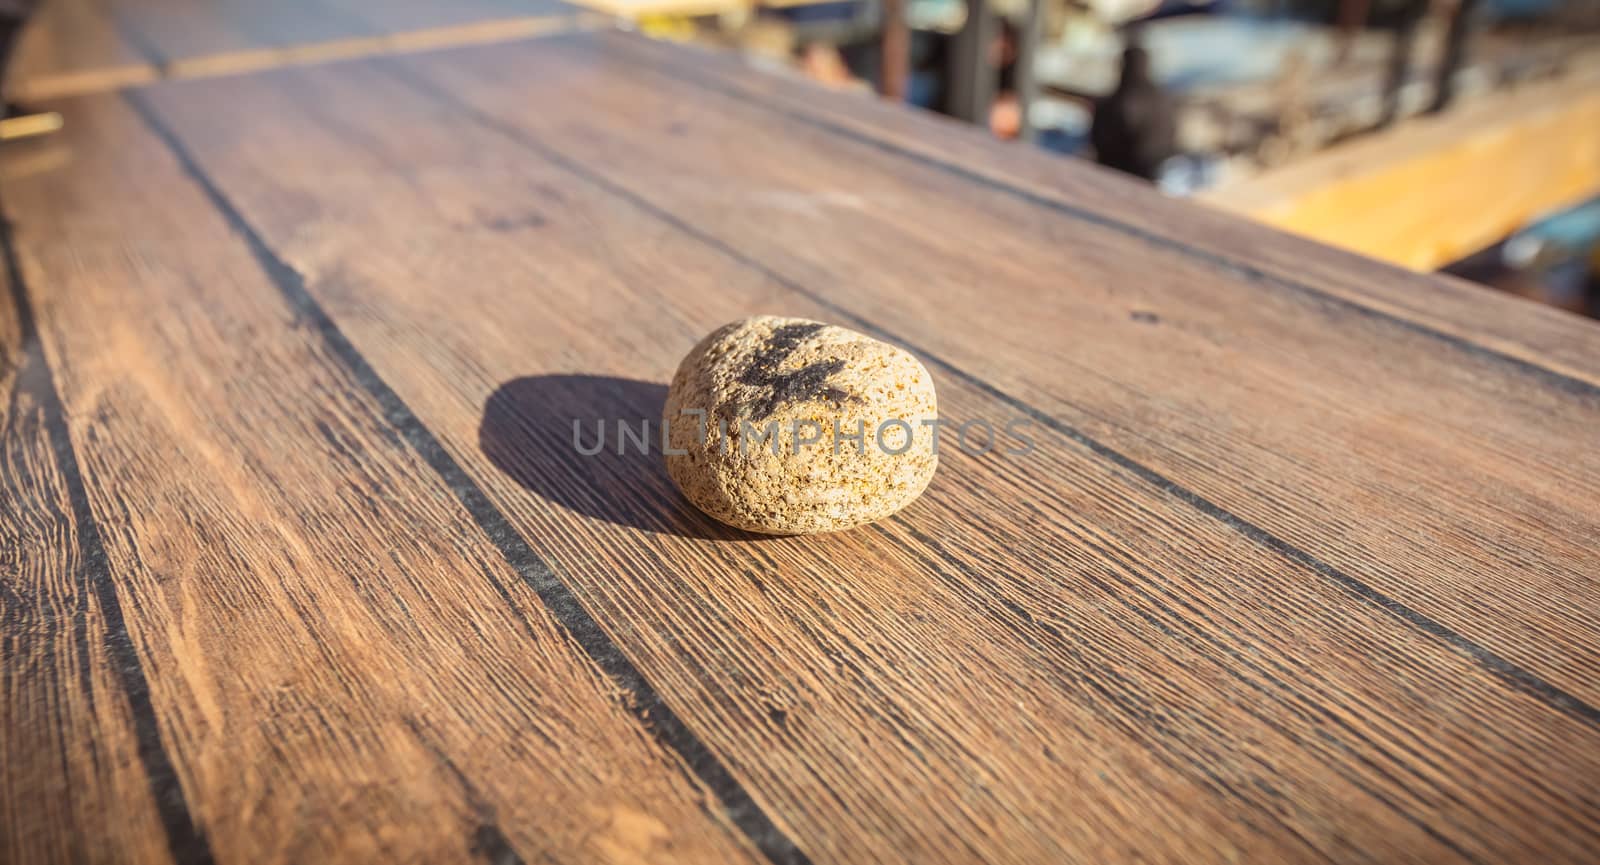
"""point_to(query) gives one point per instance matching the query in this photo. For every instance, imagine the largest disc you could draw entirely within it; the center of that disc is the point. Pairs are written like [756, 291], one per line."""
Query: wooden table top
[72, 47]
[297, 563]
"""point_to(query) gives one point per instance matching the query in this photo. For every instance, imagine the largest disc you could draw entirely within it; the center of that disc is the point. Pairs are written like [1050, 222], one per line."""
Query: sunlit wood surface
[298, 563]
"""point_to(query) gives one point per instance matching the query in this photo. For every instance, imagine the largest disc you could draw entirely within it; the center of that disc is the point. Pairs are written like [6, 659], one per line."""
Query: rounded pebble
[789, 426]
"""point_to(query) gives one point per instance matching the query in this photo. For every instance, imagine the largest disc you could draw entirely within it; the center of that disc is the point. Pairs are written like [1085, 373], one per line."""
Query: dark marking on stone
[677, 127]
[1145, 316]
[805, 384]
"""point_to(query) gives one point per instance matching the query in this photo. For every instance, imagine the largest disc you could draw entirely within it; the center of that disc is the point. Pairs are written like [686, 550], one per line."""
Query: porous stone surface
[782, 400]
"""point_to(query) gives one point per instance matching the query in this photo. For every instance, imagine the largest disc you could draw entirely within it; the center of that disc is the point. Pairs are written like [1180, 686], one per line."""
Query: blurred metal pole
[1403, 40]
[895, 49]
[1352, 17]
[1455, 54]
[1027, 53]
[972, 80]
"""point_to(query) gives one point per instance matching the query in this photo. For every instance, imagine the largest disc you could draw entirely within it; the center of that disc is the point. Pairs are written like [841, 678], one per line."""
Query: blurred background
[1453, 135]
[1439, 135]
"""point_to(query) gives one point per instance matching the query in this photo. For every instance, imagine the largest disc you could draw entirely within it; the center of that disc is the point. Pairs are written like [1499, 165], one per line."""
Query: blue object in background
[1503, 9]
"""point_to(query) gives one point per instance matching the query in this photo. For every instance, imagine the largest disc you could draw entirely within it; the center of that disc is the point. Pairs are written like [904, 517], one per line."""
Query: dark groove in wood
[1317, 701]
[489, 843]
[641, 699]
[186, 841]
[1513, 675]
[1225, 263]
[1018, 621]
[1270, 686]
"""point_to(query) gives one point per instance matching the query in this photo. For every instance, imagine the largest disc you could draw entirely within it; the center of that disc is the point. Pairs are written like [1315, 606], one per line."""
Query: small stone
[783, 400]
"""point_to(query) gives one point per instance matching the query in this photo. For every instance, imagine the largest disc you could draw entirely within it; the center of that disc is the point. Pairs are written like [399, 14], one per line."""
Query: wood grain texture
[1287, 577]
[1055, 614]
[1285, 413]
[67, 719]
[326, 657]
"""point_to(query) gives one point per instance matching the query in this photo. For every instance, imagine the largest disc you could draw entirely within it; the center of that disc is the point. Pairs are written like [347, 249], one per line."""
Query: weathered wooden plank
[1027, 659]
[73, 700]
[340, 663]
[1289, 413]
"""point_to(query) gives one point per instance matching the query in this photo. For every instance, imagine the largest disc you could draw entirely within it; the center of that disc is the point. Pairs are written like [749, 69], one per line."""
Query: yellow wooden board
[1437, 189]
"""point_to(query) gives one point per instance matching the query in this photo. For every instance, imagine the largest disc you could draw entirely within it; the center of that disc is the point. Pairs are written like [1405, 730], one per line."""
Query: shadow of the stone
[527, 432]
